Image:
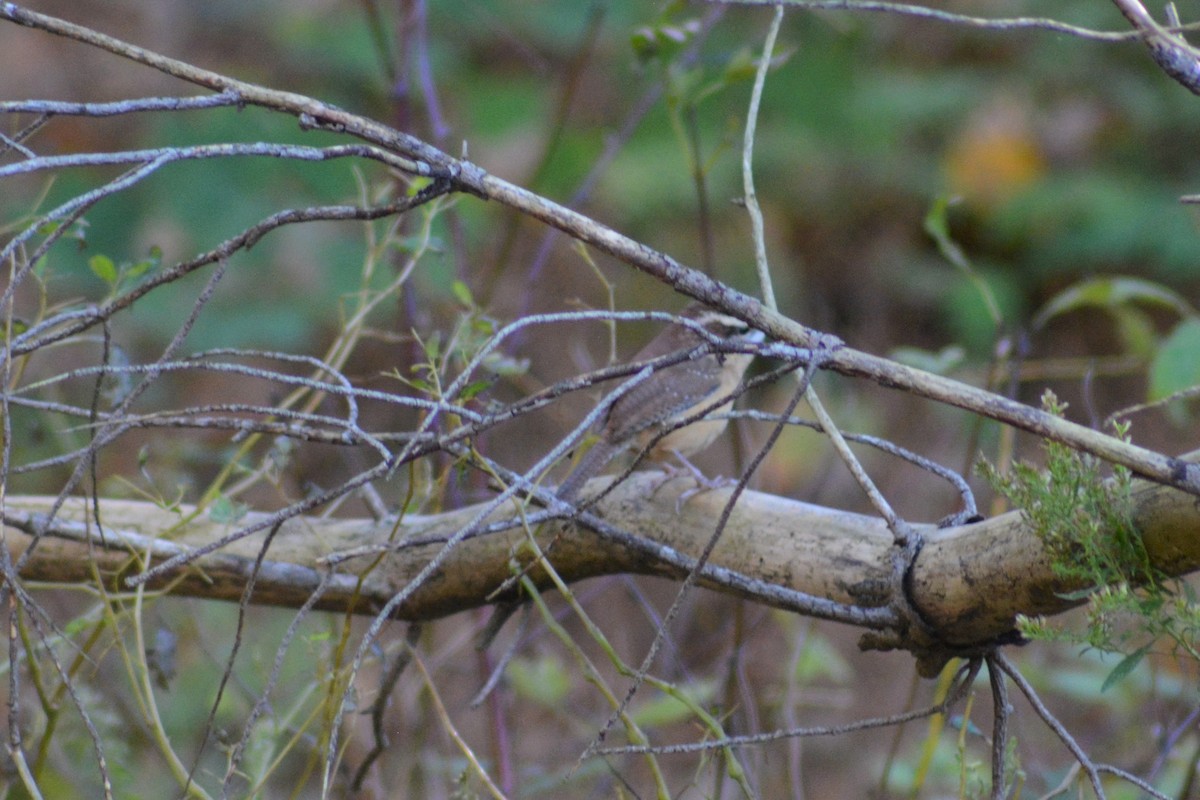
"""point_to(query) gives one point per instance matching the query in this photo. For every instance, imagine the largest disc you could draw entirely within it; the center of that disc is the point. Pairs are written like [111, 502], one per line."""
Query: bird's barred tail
[592, 462]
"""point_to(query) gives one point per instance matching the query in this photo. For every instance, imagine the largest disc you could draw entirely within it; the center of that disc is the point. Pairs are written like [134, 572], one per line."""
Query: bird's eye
[726, 327]
[742, 332]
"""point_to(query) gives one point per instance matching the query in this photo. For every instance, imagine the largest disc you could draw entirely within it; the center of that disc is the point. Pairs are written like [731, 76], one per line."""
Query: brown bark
[968, 582]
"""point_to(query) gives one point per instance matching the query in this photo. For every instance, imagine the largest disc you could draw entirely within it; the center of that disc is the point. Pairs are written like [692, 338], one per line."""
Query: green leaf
[643, 42]
[1110, 293]
[483, 326]
[462, 293]
[433, 347]
[665, 710]
[224, 511]
[820, 659]
[103, 268]
[742, 66]
[544, 680]
[18, 325]
[668, 709]
[417, 185]
[140, 268]
[1136, 330]
[1176, 365]
[472, 389]
[939, 363]
[1127, 665]
[936, 223]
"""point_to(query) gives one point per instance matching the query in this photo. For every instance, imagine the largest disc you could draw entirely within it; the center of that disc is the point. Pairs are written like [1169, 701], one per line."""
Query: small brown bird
[669, 395]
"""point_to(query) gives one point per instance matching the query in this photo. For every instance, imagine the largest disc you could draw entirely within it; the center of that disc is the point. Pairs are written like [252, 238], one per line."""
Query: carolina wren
[670, 395]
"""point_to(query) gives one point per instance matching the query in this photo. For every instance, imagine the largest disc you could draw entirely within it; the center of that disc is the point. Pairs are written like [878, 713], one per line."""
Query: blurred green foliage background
[1066, 157]
[1052, 166]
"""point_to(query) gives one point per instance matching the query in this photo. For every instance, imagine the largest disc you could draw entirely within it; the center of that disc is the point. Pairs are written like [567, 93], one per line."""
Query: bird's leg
[703, 482]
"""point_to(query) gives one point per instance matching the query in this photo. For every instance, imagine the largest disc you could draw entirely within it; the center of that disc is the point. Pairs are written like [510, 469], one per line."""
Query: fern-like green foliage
[1083, 515]
[1083, 518]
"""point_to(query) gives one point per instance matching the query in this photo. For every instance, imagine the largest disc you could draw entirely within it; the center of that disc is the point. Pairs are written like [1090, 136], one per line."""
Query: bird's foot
[703, 482]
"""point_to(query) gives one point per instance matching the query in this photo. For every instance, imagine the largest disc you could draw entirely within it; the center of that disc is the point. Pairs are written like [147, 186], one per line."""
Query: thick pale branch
[969, 582]
[846, 548]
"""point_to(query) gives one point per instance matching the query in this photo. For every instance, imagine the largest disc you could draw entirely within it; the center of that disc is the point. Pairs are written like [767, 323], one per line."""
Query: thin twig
[1001, 709]
[938, 15]
[966, 678]
[1009, 669]
[399, 664]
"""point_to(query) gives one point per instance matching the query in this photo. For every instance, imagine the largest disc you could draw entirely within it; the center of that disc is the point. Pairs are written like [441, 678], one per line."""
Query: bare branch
[464, 176]
[1169, 50]
[939, 15]
[822, 553]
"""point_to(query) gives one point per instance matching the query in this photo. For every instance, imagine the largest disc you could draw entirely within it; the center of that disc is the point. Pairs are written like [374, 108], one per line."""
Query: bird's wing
[661, 398]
